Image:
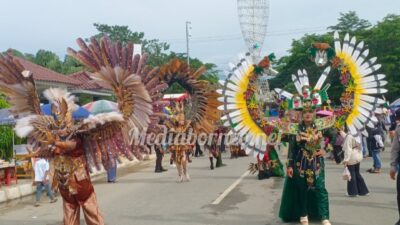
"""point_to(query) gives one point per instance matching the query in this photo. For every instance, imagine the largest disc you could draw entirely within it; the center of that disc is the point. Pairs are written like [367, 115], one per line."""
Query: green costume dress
[304, 194]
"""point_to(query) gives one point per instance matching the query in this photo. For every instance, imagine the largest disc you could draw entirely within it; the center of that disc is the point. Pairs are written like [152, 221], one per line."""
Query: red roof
[43, 74]
[86, 82]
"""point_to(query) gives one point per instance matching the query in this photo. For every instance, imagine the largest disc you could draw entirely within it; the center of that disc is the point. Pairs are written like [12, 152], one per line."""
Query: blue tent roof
[6, 118]
[80, 113]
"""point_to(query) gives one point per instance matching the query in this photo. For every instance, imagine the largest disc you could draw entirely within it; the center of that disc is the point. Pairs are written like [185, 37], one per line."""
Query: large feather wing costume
[123, 71]
[105, 136]
[203, 112]
[119, 68]
[20, 89]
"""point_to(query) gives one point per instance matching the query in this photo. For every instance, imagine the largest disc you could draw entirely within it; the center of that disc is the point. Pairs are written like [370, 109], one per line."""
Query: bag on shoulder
[338, 154]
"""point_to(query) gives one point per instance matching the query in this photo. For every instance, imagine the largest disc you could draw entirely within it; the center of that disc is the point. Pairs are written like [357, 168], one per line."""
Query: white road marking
[229, 189]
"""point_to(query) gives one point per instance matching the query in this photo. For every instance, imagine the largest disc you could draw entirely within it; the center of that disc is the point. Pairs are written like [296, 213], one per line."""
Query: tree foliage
[155, 48]
[51, 60]
[382, 39]
[350, 22]
[384, 42]
[6, 135]
[157, 51]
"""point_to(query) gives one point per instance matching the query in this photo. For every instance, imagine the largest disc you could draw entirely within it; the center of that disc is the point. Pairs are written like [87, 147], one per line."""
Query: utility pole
[188, 27]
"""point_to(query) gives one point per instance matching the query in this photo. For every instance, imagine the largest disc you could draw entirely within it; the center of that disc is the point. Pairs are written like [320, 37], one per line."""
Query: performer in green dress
[307, 174]
[305, 196]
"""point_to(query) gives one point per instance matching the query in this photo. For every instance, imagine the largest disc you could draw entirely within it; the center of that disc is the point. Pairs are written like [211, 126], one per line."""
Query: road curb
[12, 193]
[26, 189]
[3, 196]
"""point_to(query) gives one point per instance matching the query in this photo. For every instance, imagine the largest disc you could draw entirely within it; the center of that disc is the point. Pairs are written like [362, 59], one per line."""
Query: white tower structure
[253, 18]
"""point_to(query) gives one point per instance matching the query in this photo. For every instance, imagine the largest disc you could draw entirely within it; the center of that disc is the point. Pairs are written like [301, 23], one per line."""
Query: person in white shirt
[42, 180]
[353, 156]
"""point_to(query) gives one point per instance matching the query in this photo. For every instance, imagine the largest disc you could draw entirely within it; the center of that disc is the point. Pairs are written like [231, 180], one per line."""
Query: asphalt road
[224, 196]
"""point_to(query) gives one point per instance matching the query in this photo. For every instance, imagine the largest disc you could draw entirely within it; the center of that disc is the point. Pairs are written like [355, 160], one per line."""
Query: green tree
[350, 22]
[6, 135]
[119, 33]
[71, 65]
[15, 52]
[211, 74]
[49, 60]
[298, 59]
[155, 48]
[3, 103]
[383, 40]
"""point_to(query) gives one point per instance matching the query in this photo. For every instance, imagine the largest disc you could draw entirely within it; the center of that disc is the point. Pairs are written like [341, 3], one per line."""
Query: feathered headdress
[306, 97]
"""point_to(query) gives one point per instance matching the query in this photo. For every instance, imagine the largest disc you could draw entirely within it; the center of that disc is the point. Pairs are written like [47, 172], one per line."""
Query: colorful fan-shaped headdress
[243, 106]
[362, 81]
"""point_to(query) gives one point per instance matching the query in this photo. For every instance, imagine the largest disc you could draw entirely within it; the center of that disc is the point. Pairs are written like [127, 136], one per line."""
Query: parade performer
[216, 147]
[200, 113]
[74, 146]
[306, 165]
[233, 145]
[159, 149]
[234, 149]
[179, 127]
[213, 152]
[305, 196]
[306, 168]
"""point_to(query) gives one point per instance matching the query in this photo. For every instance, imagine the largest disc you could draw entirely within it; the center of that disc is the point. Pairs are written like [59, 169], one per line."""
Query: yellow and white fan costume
[236, 114]
[367, 82]
[359, 102]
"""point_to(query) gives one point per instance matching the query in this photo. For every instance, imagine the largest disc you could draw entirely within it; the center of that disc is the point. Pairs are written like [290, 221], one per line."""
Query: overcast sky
[30, 25]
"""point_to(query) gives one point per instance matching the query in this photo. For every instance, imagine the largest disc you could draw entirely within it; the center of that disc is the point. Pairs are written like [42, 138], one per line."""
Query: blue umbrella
[80, 113]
